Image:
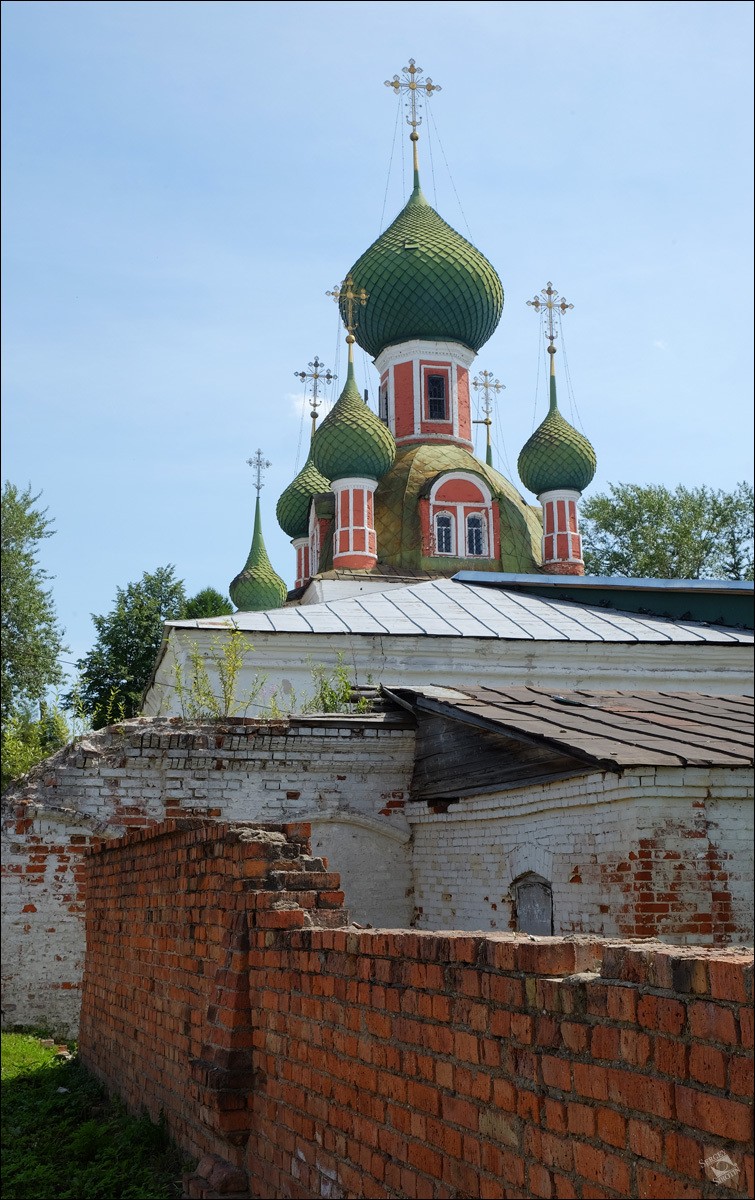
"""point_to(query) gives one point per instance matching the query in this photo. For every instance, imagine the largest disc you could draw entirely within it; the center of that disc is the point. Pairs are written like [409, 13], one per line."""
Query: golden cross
[552, 301]
[411, 84]
[487, 384]
[315, 374]
[346, 297]
[259, 464]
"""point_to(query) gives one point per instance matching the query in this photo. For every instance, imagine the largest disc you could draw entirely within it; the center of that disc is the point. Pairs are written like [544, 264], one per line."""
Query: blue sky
[184, 181]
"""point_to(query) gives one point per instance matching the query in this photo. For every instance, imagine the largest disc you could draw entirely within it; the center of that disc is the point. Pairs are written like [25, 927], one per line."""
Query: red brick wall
[349, 1062]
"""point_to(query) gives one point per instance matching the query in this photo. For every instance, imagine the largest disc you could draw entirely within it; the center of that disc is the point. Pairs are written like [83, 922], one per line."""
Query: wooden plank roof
[609, 728]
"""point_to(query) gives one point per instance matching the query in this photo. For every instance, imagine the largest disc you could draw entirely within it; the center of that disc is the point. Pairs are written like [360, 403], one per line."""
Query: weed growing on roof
[63, 1139]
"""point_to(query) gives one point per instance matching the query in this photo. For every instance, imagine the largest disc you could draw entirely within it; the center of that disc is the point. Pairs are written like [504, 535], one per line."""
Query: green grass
[64, 1139]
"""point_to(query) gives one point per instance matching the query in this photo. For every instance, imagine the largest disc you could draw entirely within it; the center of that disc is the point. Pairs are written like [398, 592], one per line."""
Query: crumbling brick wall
[351, 773]
[303, 1061]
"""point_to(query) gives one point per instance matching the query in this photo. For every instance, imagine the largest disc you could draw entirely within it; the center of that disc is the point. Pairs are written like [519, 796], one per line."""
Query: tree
[32, 641]
[114, 673]
[651, 531]
[207, 603]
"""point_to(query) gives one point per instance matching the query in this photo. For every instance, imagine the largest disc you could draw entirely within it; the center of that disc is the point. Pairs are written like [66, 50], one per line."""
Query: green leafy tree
[684, 533]
[28, 739]
[207, 603]
[32, 640]
[114, 673]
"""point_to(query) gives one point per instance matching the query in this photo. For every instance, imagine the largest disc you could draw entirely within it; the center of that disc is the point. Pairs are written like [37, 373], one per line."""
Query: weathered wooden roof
[612, 729]
[452, 608]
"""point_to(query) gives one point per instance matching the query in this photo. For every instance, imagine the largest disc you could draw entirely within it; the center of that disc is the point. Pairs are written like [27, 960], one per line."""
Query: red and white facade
[354, 537]
[562, 543]
[459, 519]
[302, 548]
[424, 392]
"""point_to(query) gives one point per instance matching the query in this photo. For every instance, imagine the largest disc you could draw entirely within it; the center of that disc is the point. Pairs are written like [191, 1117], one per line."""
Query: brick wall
[654, 852]
[349, 776]
[303, 1061]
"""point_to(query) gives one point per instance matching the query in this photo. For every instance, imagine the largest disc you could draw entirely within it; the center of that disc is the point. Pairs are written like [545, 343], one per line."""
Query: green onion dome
[424, 280]
[352, 440]
[397, 512]
[258, 588]
[292, 509]
[556, 456]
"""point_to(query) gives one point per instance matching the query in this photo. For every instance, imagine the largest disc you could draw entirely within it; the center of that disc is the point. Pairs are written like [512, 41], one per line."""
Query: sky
[183, 182]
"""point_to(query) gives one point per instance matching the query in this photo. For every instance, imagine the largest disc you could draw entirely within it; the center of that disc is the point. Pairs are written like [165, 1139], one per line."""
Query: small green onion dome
[258, 588]
[556, 456]
[351, 439]
[424, 280]
[292, 509]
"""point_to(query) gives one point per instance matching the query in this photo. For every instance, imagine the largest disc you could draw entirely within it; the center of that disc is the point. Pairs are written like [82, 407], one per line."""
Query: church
[534, 749]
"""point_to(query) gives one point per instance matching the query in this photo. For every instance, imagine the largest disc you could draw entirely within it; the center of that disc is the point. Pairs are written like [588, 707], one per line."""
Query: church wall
[350, 777]
[286, 661]
[652, 853]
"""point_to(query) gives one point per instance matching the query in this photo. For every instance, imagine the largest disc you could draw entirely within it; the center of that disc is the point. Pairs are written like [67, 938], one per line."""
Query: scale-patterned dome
[258, 587]
[292, 509]
[556, 456]
[424, 280]
[351, 439]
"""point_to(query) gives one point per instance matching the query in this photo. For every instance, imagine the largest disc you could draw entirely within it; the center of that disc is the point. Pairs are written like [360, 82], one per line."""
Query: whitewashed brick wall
[655, 852]
[350, 778]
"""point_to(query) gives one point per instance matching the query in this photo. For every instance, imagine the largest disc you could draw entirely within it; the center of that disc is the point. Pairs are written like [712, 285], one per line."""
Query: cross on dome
[346, 297]
[486, 383]
[315, 374]
[259, 465]
[551, 301]
[410, 85]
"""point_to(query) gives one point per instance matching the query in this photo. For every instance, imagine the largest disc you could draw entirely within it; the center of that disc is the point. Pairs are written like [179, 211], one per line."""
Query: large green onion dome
[292, 509]
[424, 280]
[397, 516]
[557, 455]
[351, 439]
[258, 587]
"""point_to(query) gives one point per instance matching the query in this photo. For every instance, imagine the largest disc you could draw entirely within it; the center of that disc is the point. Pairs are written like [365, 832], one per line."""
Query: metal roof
[612, 729]
[454, 608]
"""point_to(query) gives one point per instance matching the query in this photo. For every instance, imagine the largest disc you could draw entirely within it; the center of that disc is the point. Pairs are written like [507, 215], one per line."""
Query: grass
[64, 1139]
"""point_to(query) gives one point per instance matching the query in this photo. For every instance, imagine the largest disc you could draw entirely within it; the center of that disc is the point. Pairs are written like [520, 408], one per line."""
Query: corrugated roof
[613, 729]
[453, 608]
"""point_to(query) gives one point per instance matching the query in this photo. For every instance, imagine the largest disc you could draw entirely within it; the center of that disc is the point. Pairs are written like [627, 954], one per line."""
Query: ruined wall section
[303, 1061]
[654, 852]
[348, 775]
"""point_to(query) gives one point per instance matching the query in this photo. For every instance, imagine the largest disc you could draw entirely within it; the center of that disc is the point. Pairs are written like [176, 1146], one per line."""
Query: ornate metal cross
[551, 301]
[485, 383]
[411, 84]
[259, 465]
[346, 296]
[315, 374]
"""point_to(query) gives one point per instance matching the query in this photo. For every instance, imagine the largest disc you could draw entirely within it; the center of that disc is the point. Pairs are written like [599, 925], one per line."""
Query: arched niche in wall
[374, 863]
[533, 904]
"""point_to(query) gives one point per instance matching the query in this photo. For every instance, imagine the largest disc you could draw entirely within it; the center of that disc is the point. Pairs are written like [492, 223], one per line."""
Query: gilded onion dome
[258, 587]
[352, 441]
[425, 281]
[557, 455]
[292, 509]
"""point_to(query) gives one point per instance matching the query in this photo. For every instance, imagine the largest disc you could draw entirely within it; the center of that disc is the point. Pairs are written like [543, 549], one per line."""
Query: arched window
[475, 534]
[533, 901]
[444, 533]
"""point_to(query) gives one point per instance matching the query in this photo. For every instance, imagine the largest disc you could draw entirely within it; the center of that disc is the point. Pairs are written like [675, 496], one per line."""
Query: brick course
[337, 1062]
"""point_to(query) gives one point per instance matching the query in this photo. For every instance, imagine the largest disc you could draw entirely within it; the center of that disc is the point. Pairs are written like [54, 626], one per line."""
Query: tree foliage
[207, 603]
[31, 637]
[685, 533]
[115, 671]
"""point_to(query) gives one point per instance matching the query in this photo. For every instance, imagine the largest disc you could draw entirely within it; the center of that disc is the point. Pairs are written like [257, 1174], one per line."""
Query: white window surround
[314, 541]
[476, 523]
[465, 477]
[451, 552]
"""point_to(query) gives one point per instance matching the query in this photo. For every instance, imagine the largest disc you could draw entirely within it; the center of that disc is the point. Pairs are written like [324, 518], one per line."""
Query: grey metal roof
[455, 608]
[612, 729]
